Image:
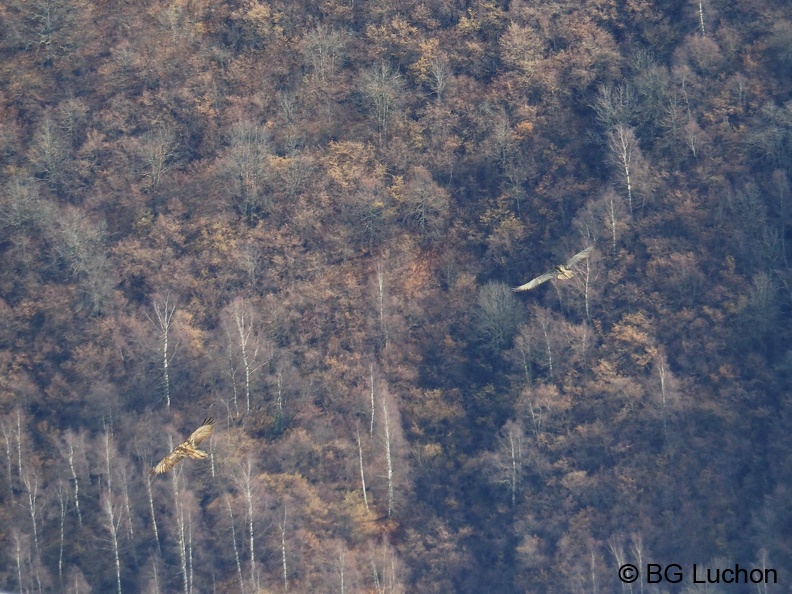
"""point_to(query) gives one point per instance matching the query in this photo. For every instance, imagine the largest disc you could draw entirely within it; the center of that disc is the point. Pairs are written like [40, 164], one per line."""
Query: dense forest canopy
[305, 219]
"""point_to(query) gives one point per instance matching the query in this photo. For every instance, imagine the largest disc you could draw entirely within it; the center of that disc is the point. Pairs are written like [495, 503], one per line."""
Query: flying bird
[561, 272]
[186, 450]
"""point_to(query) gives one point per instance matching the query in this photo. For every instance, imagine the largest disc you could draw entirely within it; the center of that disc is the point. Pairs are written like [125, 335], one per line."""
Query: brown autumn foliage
[304, 218]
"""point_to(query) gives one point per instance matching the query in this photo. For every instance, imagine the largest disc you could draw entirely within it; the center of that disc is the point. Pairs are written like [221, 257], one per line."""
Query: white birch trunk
[113, 520]
[388, 457]
[164, 312]
[362, 473]
[236, 549]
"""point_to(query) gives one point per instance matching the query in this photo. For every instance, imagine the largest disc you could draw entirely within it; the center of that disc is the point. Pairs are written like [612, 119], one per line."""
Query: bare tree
[383, 324]
[323, 49]
[393, 445]
[183, 527]
[246, 160]
[387, 439]
[23, 209]
[156, 149]
[536, 405]
[163, 311]
[507, 461]
[9, 439]
[50, 153]
[501, 142]
[283, 552]
[80, 245]
[425, 205]
[617, 550]
[246, 343]
[615, 106]
[544, 319]
[439, 76]
[372, 394]
[383, 87]
[603, 216]
[615, 217]
[623, 155]
[127, 503]
[667, 392]
[497, 316]
[583, 285]
[637, 546]
[700, 7]
[362, 473]
[73, 449]
[113, 518]
[386, 568]
[63, 498]
[30, 480]
[22, 560]
[52, 26]
[154, 526]
[674, 116]
[237, 557]
[524, 352]
[247, 483]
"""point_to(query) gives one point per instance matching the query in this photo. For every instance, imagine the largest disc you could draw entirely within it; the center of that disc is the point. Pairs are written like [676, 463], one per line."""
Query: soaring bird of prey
[188, 449]
[562, 271]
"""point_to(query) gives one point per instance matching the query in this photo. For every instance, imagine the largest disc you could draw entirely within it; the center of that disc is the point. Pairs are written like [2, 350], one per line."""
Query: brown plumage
[188, 449]
[562, 271]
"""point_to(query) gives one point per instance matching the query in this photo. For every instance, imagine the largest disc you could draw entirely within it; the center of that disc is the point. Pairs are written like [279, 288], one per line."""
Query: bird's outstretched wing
[204, 431]
[170, 461]
[187, 449]
[535, 282]
[579, 256]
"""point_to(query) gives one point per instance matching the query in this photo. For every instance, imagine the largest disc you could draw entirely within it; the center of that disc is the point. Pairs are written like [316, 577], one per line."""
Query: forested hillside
[305, 219]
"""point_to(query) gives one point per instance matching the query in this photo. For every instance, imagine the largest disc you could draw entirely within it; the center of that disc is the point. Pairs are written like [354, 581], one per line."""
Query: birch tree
[388, 442]
[30, 480]
[386, 569]
[247, 348]
[507, 461]
[163, 312]
[156, 150]
[183, 529]
[323, 48]
[237, 557]
[394, 450]
[112, 523]
[604, 217]
[73, 450]
[63, 497]
[246, 164]
[283, 552]
[615, 106]
[247, 482]
[439, 76]
[12, 437]
[362, 472]
[381, 296]
[80, 245]
[152, 513]
[623, 150]
[543, 319]
[50, 153]
[383, 87]
[584, 285]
